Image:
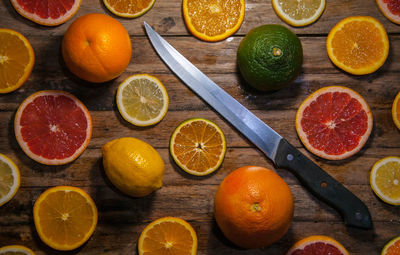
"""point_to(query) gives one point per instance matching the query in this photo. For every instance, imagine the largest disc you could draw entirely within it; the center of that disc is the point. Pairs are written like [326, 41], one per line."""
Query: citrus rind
[24, 145]
[48, 240]
[184, 167]
[294, 22]
[395, 113]
[314, 239]
[364, 70]
[17, 179]
[182, 222]
[387, 13]
[28, 68]
[128, 15]
[303, 136]
[373, 176]
[133, 120]
[16, 248]
[216, 38]
[389, 244]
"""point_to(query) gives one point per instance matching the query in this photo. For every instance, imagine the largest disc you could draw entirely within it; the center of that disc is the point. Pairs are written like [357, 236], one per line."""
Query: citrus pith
[16, 250]
[9, 179]
[391, 9]
[317, 244]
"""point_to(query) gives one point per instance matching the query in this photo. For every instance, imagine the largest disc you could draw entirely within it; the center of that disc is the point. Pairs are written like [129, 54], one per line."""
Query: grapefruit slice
[334, 122]
[317, 245]
[48, 13]
[52, 127]
[391, 9]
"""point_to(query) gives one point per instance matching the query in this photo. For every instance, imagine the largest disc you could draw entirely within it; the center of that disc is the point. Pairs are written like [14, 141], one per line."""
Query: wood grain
[121, 218]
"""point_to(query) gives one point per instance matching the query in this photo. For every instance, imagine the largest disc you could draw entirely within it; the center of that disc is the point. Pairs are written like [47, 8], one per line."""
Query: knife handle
[323, 186]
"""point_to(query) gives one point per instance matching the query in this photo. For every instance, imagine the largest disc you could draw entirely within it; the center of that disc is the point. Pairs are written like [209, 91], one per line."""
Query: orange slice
[391, 9]
[52, 127]
[129, 8]
[65, 217]
[392, 247]
[48, 13]
[168, 236]
[396, 111]
[16, 250]
[317, 245]
[198, 146]
[299, 13]
[16, 60]
[213, 20]
[358, 45]
[334, 122]
[9, 179]
[385, 180]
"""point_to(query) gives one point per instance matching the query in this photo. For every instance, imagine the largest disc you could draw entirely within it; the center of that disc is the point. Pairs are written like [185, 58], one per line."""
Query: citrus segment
[317, 245]
[391, 9]
[213, 20]
[168, 236]
[129, 8]
[142, 100]
[299, 13]
[392, 247]
[52, 127]
[358, 45]
[9, 179]
[198, 146]
[396, 111]
[48, 13]
[65, 217]
[16, 250]
[385, 179]
[334, 122]
[16, 60]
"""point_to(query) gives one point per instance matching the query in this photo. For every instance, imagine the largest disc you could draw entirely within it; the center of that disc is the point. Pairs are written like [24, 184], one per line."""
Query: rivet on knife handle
[322, 185]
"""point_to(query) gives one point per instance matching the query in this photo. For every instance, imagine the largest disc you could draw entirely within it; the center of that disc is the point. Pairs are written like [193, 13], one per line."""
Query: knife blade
[354, 212]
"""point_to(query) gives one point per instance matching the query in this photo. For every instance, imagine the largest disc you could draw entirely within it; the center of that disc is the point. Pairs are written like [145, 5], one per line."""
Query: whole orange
[96, 48]
[253, 207]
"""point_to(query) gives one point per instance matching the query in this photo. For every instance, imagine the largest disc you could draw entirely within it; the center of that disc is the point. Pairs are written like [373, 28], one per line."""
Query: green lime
[270, 57]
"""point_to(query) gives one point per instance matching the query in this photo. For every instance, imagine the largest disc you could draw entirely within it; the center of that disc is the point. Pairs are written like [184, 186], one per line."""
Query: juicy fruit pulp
[270, 57]
[53, 127]
[16, 60]
[392, 247]
[129, 8]
[385, 179]
[9, 179]
[299, 13]
[334, 122]
[391, 9]
[317, 245]
[198, 146]
[396, 111]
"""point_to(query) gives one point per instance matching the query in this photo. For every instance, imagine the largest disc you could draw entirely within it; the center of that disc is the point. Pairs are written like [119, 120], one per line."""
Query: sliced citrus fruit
[213, 20]
[317, 244]
[334, 122]
[16, 250]
[16, 60]
[396, 111]
[65, 217]
[168, 236]
[392, 247]
[385, 179]
[391, 9]
[9, 179]
[48, 13]
[142, 100]
[299, 13]
[198, 146]
[358, 45]
[129, 8]
[52, 127]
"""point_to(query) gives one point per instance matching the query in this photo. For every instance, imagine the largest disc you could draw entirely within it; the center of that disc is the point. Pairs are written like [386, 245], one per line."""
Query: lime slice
[299, 12]
[142, 100]
[9, 179]
[385, 179]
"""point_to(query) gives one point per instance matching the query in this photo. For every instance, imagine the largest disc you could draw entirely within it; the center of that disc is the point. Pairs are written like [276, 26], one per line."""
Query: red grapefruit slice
[48, 13]
[317, 245]
[391, 9]
[52, 127]
[334, 122]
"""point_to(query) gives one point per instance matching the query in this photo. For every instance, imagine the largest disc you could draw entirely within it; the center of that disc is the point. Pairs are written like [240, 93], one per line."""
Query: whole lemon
[133, 166]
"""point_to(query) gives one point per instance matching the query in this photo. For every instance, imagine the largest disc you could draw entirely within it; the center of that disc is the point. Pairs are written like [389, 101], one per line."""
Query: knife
[354, 212]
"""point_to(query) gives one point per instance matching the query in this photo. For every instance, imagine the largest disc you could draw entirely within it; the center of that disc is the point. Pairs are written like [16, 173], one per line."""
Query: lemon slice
[142, 100]
[299, 13]
[9, 179]
[198, 146]
[16, 250]
[385, 179]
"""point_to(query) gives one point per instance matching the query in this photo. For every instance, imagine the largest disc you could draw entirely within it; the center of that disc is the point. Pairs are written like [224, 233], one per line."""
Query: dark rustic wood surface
[121, 218]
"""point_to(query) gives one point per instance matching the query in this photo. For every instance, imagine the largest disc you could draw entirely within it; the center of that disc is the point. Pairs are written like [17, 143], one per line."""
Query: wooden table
[121, 218]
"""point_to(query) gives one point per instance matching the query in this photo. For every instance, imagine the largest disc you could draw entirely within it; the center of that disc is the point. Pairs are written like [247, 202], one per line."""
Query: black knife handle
[354, 212]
